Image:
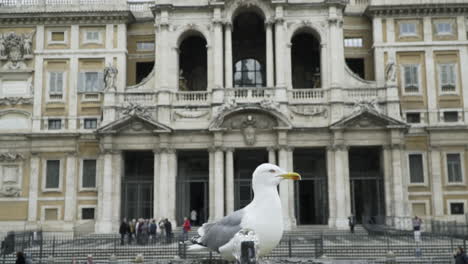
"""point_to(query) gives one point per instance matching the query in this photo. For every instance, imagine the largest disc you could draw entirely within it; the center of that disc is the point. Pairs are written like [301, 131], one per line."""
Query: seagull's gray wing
[217, 234]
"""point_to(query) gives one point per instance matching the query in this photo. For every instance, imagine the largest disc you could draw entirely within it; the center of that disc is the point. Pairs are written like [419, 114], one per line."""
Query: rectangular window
[408, 29]
[54, 124]
[145, 46]
[51, 214]
[92, 36]
[87, 213]
[457, 208]
[52, 180]
[454, 168]
[447, 77]
[56, 83]
[444, 28]
[411, 78]
[90, 123]
[89, 174]
[413, 118]
[416, 168]
[353, 42]
[91, 82]
[57, 36]
[451, 116]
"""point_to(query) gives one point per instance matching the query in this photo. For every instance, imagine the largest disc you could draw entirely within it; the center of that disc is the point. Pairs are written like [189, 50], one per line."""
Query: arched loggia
[305, 61]
[193, 64]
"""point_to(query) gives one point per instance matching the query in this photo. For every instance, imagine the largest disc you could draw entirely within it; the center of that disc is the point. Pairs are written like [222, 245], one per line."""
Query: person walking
[162, 227]
[20, 258]
[123, 231]
[131, 236]
[168, 229]
[193, 217]
[351, 223]
[186, 228]
[153, 228]
[460, 256]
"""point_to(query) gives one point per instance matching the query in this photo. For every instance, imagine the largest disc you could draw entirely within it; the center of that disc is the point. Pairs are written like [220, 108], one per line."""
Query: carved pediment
[134, 124]
[368, 119]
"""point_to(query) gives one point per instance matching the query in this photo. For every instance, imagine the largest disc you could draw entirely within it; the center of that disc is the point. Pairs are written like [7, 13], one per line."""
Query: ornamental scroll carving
[132, 109]
[15, 49]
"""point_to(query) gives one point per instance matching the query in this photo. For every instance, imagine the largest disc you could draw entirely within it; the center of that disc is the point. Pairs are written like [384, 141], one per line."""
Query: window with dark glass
[90, 123]
[457, 209]
[356, 65]
[87, 213]
[89, 174]
[248, 73]
[454, 169]
[52, 174]
[416, 168]
[451, 116]
[413, 118]
[55, 124]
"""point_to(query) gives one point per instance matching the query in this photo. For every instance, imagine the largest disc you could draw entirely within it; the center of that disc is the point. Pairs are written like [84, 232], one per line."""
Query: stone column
[164, 182]
[73, 77]
[431, 87]
[271, 155]
[33, 187]
[156, 185]
[291, 196]
[342, 187]
[211, 185]
[324, 69]
[218, 49]
[229, 180]
[463, 53]
[388, 180]
[283, 157]
[70, 182]
[437, 182]
[117, 189]
[336, 47]
[171, 186]
[400, 202]
[219, 183]
[164, 50]
[269, 54]
[331, 186]
[104, 223]
[279, 51]
[228, 54]
[38, 80]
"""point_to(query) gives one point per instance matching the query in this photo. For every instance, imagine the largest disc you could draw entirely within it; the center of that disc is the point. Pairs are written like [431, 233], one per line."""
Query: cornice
[417, 9]
[91, 17]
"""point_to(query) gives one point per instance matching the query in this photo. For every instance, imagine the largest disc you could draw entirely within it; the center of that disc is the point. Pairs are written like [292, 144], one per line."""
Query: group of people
[145, 231]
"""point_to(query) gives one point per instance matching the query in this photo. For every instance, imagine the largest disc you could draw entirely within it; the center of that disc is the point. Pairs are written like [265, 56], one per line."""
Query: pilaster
[218, 48]
[229, 180]
[279, 47]
[72, 93]
[388, 180]
[431, 86]
[71, 177]
[269, 54]
[331, 186]
[437, 183]
[219, 183]
[104, 221]
[33, 187]
[283, 156]
[171, 187]
[156, 184]
[228, 54]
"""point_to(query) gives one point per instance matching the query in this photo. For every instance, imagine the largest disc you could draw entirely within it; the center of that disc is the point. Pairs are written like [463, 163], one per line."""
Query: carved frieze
[15, 49]
[309, 110]
[367, 104]
[12, 101]
[190, 113]
[10, 191]
[132, 109]
[11, 157]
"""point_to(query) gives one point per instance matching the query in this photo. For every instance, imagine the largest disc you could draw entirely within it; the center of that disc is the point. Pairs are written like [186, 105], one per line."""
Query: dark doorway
[245, 162]
[193, 64]
[137, 185]
[249, 50]
[367, 186]
[305, 56]
[143, 69]
[192, 185]
[357, 66]
[312, 191]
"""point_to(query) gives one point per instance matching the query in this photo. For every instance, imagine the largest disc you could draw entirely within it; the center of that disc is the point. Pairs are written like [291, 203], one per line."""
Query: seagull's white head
[271, 175]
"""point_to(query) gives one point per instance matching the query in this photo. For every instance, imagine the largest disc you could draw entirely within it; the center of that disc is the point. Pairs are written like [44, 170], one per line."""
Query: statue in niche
[390, 72]
[110, 75]
[249, 130]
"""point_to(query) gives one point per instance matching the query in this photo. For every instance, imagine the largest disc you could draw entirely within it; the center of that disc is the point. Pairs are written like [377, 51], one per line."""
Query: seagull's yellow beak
[291, 176]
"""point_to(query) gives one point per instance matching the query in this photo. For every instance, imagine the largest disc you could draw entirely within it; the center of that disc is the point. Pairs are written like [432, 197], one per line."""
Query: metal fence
[373, 247]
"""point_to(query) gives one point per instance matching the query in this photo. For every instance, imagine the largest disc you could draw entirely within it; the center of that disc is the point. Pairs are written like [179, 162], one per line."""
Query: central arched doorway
[193, 63]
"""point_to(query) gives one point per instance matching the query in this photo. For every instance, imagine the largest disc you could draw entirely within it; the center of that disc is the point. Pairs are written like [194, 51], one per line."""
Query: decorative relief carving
[11, 157]
[390, 73]
[12, 101]
[110, 76]
[10, 191]
[132, 109]
[229, 103]
[369, 104]
[269, 104]
[187, 113]
[305, 110]
[15, 49]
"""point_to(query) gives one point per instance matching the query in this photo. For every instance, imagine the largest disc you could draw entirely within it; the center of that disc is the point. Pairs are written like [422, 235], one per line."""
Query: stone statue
[390, 72]
[110, 75]
[249, 130]
[27, 44]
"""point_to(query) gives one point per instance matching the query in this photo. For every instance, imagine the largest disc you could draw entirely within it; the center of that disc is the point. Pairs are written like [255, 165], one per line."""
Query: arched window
[248, 73]
[193, 64]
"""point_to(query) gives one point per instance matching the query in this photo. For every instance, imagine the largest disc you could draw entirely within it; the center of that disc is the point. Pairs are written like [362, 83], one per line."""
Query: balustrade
[254, 94]
[191, 97]
[138, 98]
[365, 94]
[307, 95]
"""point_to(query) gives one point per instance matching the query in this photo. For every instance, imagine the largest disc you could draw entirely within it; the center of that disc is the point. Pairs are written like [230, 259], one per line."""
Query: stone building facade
[111, 109]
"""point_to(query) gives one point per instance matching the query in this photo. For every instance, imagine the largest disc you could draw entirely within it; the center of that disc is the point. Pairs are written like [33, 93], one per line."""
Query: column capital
[398, 146]
[279, 20]
[272, 148]
[217, 22]
[229, 149]
[286, 148]
[227, 24]
[166, 150]
[338, 147]
[214, 149]
[269, 22]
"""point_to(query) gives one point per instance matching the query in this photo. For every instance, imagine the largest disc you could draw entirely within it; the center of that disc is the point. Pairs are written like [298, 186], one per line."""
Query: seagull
[263, 216]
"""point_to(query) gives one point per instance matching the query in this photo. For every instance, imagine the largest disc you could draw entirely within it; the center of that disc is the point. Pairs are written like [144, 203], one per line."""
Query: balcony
[307, 96]
[250, 94]
[191, 98]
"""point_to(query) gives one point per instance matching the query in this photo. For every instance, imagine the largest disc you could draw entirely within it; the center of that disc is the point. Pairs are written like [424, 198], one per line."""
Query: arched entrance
[193, 64]
[305, 61]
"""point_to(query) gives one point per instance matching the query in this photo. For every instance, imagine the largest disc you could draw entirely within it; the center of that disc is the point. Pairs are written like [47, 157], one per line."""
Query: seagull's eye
[272, 171]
